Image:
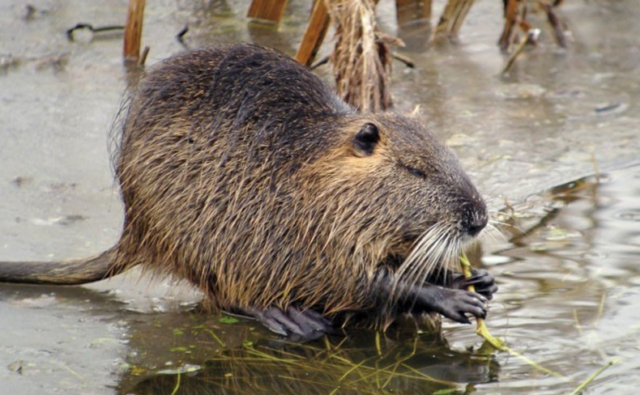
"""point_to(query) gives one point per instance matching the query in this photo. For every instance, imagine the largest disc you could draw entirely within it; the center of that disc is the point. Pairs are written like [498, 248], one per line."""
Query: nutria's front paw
[302, 325]
[482, 280]
[454, 304]
[458, 303]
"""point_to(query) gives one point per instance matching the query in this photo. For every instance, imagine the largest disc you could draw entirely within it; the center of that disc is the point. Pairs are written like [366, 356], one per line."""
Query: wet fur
[239, 171]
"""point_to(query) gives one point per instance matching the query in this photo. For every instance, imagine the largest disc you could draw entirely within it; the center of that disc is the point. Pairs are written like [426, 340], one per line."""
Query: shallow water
[567, 290]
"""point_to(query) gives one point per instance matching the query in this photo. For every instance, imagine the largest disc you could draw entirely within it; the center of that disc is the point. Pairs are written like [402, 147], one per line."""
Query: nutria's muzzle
[474, 219]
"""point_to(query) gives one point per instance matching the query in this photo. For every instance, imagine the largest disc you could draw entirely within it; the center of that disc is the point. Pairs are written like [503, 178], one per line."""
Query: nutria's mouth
[438, 247]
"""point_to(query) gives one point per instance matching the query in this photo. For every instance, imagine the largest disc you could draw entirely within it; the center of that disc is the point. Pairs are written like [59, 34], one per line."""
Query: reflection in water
[415, 36]
[569, 282]
[360, 364]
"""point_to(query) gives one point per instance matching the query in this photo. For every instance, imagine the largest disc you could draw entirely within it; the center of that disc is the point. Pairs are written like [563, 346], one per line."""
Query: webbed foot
[300, 325]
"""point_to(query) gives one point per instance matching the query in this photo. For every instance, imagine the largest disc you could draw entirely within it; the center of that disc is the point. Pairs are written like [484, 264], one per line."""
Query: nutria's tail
[67, 272]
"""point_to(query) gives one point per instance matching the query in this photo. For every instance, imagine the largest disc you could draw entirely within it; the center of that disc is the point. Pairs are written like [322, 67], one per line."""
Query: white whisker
[505, 224]
[492, 233]
[426, 256]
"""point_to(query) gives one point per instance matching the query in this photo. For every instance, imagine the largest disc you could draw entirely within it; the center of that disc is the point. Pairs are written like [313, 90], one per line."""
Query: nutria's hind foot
[482, 281]
[297, 324]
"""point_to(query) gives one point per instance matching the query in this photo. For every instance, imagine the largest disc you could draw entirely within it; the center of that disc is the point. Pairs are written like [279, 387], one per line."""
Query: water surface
[568, 289]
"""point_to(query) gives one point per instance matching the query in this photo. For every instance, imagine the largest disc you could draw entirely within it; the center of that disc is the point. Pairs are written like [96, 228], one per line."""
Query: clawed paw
[459, 303]
[482, 281]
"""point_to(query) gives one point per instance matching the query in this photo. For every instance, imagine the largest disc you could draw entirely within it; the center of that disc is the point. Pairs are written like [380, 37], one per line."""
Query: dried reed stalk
[267, 10]
[361, 58]
[515, 14]
[557, 24]
[408, 11]
[314, 35]
[133, 31]
[451, 20]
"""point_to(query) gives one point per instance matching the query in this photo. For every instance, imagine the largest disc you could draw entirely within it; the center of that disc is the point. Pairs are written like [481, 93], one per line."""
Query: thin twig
[92, 29]
[531, 37]
[143, 56]
[320, 62]
[181, 34]
[593, 377]
[404, 59]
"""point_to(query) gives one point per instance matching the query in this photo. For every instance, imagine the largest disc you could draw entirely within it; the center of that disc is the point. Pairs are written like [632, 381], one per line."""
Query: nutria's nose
[473, 221]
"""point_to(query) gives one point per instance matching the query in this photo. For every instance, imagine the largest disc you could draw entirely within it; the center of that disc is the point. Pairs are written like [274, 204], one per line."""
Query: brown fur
[239, 173]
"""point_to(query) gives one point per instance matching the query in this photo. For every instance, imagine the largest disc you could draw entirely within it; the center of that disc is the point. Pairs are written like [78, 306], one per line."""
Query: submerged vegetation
[364, 363]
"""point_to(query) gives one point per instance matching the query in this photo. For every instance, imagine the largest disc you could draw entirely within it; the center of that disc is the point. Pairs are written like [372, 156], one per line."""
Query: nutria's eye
[366, 139]
[416, 172]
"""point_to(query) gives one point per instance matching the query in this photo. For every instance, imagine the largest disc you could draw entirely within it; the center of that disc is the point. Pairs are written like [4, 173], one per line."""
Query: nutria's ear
[366, 139]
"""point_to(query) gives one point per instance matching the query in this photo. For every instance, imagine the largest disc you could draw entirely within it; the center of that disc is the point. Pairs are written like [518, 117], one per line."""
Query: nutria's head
[400, 197]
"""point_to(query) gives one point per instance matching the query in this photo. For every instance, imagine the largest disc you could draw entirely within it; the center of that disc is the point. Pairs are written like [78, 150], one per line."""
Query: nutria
[243, 173]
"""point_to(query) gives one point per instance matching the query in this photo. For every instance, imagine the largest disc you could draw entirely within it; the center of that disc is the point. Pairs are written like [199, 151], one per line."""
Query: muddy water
[568, 289]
